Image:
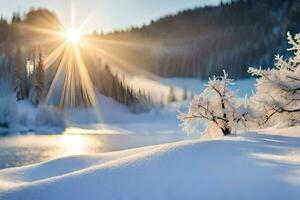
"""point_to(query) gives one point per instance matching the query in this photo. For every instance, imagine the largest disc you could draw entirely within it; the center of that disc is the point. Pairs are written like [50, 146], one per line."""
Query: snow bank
[49, 116]
[23, 116]
[8, 111]
[109, 111]
[116, 118]
[5, 88]
[252, 166]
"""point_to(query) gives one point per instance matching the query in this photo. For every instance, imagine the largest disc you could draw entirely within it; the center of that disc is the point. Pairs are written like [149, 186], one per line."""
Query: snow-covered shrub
[278, 89]
[140, 107]
[49, 116]
[5, 88]
[8, 111]
[24, 119]
[216, 105]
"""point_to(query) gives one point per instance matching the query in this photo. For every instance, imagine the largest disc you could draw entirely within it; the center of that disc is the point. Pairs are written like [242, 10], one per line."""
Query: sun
[72, 35]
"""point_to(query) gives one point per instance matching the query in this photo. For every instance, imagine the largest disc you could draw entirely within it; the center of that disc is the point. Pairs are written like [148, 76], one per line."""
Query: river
[25, 149]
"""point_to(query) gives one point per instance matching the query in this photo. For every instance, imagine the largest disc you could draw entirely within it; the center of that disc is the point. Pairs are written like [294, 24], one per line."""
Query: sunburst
[72, 35]
[71, 84]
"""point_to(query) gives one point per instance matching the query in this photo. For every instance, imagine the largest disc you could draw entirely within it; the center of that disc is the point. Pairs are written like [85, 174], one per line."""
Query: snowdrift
[250, 166]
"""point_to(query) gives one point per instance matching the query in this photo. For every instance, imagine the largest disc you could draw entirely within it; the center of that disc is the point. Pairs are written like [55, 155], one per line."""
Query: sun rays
[72, 35]
[70, 85]
[71, 60]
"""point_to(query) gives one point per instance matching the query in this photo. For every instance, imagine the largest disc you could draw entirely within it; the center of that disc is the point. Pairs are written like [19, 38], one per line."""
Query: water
[29, 149]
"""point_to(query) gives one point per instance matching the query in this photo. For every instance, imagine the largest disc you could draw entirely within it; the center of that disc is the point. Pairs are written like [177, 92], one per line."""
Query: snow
[49, 116]
[159, 89]
[8, 111]
[248, 166]
[113, 118]
[243, 87]
[117, 118]
[28, 118]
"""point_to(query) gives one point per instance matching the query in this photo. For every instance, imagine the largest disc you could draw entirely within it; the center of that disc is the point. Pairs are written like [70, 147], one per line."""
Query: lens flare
[72, 35]
[72, 61]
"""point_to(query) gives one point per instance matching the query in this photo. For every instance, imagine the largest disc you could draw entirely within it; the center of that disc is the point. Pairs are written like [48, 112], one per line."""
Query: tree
[19, 76]
[4, 29]
[216, 105]
[115, 86]
[38, 90]
[232, 47]
[278, 89]
[171, 97]
[16, 18]
[184, 94]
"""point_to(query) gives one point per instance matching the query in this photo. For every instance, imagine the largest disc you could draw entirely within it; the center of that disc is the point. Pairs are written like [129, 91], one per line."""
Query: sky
[104, 15]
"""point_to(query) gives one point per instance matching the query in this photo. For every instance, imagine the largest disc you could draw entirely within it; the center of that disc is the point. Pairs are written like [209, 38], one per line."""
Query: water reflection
[77, 144]
[28, 149]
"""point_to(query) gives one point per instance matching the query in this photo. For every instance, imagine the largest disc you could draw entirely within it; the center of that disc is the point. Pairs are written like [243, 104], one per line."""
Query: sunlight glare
[72, 35]
[74, 144]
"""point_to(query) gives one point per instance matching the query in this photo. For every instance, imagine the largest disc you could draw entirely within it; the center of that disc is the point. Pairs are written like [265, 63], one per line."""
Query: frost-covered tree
[216, 105]
[278, 89]
[38, 90]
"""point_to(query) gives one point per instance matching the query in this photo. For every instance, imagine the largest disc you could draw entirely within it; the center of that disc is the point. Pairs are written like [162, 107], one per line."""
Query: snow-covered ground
[262, 165]
[116, 118]
[258, 165]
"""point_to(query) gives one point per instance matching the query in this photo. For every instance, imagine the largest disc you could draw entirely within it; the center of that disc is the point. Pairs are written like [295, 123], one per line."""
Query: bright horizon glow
[72, 35]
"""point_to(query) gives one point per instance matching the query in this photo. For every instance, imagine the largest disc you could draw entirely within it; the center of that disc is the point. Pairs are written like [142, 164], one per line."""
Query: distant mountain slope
[202, 41]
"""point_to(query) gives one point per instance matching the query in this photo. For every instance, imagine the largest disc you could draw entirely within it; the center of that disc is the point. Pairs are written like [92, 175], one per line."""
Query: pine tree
[38, 90]
[115, 86]
[16, 17]
[171, 97]
[19, 76]
[185, 94]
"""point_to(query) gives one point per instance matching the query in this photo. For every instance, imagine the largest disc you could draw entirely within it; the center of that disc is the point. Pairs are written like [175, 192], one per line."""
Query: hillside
[248, 166]
[202, 41]
[33, 52]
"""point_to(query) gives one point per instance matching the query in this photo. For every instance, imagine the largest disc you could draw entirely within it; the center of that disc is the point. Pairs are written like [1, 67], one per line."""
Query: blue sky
[106, 15]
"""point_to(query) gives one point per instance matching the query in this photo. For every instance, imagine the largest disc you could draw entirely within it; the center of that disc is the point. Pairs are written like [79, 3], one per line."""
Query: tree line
[202, 41]
[113, 85]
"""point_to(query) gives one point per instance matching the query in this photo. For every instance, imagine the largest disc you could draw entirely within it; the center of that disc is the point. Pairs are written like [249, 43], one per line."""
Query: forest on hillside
[203, 41]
